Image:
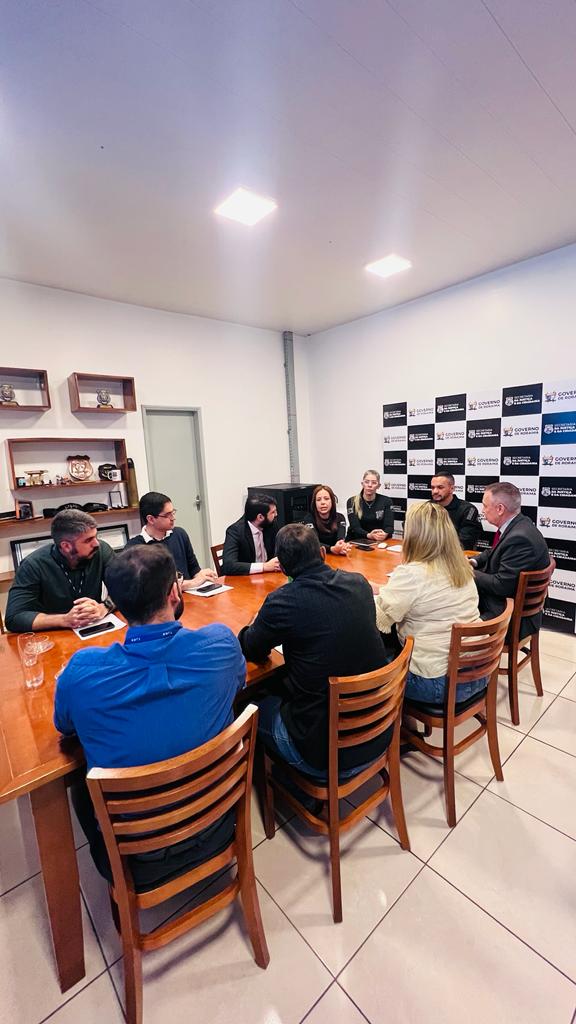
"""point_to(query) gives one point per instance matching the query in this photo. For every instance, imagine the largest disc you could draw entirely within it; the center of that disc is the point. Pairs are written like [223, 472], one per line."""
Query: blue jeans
[431, 691]
[274, 734]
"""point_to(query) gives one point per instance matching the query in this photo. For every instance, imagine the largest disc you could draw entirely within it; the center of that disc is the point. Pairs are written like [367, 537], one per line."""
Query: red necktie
[496, 538]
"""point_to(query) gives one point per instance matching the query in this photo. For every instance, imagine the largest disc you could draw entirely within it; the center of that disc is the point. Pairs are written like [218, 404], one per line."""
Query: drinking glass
[31, 665]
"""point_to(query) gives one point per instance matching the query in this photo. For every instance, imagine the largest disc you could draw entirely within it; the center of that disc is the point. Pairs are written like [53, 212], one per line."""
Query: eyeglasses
[167, 515]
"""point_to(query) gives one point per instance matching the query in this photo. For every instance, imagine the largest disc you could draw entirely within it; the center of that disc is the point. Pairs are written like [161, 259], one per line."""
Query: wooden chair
[360, 709]
[475, 651]
[217, 551]
[529, 600]
[180, 797]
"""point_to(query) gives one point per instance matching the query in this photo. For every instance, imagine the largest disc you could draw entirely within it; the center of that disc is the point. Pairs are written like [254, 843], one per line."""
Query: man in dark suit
[517, 547]
[463, 514]
[249, 543]
[325, 620]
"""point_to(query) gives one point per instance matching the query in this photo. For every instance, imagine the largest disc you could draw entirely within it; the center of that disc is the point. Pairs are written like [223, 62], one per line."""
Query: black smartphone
[100, 627]
[207, 588]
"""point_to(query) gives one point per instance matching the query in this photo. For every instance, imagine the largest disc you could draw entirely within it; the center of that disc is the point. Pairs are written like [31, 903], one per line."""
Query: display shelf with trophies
[43, 469]
[66, 461]
[96, 392]
[23, 390]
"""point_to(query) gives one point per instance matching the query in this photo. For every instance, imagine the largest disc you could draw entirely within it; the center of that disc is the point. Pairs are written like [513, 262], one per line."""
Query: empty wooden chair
[158, 805]
[217, 552]
[360, 709]
[475, 652]
[529, 600]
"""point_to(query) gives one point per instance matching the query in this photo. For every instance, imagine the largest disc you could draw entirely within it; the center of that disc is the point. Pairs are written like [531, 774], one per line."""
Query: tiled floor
[478, 922]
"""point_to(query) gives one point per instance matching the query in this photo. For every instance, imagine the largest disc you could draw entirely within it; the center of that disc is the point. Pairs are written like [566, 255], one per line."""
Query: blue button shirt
[164, 691]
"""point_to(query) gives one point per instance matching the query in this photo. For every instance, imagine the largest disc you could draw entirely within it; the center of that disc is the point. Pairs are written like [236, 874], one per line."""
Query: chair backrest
[531, 593]
[363, 707]
[2, 630]
[217, 552]
[157, 805]
[475, 652]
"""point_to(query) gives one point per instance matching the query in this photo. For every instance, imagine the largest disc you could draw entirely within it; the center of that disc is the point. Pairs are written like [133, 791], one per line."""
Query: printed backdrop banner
[525, 433]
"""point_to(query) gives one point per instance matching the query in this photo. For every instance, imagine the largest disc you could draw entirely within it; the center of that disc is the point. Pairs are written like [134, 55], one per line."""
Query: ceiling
[441, 130]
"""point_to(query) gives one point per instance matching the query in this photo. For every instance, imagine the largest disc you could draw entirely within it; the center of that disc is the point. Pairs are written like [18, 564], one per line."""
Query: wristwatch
[109, 604]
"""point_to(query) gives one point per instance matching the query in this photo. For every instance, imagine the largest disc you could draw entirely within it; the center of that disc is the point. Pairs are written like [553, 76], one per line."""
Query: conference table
[36, 760]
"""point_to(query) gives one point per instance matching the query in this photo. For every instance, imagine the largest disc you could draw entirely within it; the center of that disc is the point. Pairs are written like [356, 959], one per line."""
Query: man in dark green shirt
[59, 586]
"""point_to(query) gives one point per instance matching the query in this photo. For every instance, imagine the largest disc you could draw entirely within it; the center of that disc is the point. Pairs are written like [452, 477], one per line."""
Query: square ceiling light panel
[246, 207]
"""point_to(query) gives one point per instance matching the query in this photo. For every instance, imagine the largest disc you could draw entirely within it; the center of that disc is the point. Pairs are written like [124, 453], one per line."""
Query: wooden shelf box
[31, 390]
[83, 388]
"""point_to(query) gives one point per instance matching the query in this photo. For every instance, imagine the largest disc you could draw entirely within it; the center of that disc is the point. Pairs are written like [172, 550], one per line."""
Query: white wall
[233, 374]
[515, 326]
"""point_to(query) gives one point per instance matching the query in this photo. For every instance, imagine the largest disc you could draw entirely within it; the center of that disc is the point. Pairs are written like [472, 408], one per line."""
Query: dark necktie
[496, 538]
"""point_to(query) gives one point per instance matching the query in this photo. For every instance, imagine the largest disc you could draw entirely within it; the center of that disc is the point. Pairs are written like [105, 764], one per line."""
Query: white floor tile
[335, 1007]
[520, 871]
[475, 763]
[424, 805]
[18, 850]
[438, 959]
[542, 780]
[569, 691]
[558, 726]
[28, 982]
[560, 645]
[294, 868]
[210, 975]
[532, 707]
[96, 1004]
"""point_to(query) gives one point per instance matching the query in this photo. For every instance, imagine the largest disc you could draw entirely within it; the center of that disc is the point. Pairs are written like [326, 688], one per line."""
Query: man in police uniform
[464, 516]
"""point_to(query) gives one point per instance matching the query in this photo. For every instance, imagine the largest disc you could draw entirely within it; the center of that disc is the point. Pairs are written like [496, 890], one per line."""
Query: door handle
[198, 502]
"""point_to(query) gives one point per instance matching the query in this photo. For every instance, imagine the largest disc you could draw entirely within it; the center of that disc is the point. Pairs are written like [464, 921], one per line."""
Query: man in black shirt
[158, 516]
[464, 516]
[325, 620]
[60, 585]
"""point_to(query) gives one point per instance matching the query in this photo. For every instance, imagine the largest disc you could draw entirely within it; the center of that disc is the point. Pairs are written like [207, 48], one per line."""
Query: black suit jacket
[239, 550]
[325, 620]
[522, 548]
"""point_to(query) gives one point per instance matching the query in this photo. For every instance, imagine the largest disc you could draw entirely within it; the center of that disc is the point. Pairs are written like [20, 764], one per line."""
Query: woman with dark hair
[329, 524]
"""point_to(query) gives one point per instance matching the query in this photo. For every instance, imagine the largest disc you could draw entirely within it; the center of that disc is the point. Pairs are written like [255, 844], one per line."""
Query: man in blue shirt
[164, 691]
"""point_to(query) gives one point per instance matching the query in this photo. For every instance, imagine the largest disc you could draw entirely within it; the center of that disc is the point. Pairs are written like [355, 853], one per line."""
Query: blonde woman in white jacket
[431, 590]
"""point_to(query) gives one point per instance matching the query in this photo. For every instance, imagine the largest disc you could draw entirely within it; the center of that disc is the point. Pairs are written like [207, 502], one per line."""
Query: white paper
[116, 623]
[198, 592]
[395, 547]
[382, 545]
[279, 649]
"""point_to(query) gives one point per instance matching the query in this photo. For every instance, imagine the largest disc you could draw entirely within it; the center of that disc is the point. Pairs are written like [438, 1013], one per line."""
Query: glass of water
[30, 659]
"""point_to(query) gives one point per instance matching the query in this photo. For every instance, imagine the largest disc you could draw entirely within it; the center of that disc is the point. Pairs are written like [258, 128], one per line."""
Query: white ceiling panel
[441, 131]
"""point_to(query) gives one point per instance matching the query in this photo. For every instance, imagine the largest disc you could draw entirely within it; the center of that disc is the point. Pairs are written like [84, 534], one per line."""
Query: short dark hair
[69, 524]
[257, 504]
[447, 476]
[139, 580]
[297, 548]
[151, 504]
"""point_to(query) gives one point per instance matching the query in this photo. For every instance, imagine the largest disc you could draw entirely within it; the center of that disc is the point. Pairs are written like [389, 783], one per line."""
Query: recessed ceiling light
[245, 207]
[388, 265]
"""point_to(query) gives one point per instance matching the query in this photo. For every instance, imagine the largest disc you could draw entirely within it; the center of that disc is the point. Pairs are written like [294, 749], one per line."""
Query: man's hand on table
[83, 612]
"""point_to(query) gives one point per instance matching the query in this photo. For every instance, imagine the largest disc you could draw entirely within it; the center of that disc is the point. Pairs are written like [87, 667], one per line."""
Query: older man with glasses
[158, 518]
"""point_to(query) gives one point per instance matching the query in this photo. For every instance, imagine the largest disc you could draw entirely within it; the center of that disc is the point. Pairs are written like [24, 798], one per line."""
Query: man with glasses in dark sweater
[158, 518]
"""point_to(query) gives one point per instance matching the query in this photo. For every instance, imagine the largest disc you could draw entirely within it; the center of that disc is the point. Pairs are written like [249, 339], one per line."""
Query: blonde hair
[357, 501]
[430, 537]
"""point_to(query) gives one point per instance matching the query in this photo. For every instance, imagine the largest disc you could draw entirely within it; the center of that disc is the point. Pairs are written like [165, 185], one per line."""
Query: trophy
[7, 395]
[103, 399]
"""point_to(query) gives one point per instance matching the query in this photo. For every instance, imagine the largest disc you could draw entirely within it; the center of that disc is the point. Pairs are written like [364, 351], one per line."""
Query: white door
[174, 456]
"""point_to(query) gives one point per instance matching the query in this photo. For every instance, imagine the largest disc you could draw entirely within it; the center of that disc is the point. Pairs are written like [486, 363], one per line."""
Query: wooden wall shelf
[83, 388]
[20, 526]
[26, 383]
[24, 453]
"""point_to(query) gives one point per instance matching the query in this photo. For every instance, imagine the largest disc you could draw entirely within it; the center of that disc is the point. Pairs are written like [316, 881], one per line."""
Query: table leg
[61, 880]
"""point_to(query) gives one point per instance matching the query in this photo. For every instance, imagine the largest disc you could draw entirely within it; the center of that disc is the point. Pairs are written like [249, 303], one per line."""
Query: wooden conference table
[35, 759]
